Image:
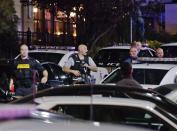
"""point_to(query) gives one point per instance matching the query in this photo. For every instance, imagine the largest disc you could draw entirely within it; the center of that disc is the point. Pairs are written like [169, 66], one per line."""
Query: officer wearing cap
[79, 64]
[25, 70]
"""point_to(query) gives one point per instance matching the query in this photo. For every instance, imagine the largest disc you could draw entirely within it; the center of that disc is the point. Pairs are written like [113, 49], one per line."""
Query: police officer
[133, 56]
[159, 53]
[25, 72]
[79, 64]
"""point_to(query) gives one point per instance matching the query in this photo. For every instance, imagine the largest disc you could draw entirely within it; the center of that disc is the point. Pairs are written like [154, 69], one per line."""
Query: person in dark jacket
[127, 78]
[25, 71]
[133, 56]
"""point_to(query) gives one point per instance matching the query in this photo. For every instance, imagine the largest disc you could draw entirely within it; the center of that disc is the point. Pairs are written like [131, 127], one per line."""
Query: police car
[110, 57]
[51, 54]
[150, 75]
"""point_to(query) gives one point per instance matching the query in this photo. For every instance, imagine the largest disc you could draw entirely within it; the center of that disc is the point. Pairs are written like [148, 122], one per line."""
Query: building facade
[60, 25]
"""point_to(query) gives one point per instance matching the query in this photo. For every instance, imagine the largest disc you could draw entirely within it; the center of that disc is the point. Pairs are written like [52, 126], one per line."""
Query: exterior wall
[25, 16]
[18, 13]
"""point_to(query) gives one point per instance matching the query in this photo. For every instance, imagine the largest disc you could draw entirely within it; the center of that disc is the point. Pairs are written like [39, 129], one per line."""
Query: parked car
[106, 91]
[149, 75]
[169, 49]
[114, 110]
[110, 57]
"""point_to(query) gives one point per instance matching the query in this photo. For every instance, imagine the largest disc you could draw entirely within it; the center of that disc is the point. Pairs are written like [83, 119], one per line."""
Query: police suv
[110, 57]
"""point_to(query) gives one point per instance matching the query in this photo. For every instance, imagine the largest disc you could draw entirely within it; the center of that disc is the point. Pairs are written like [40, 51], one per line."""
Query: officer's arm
[68, 70]
[45, 76]
[92, 66]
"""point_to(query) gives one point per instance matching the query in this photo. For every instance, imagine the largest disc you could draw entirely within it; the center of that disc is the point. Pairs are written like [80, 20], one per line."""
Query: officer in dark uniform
[25, 71]
[133, 56]
[79, 64]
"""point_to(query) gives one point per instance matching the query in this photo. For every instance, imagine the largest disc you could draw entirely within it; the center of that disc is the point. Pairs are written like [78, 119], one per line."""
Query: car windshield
[170, 51]
[105, 56]
[143, 76]
[43, 56]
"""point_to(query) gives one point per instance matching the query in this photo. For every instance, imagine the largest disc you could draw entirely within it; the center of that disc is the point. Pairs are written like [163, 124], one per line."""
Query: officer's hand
[76, 73]
[44, 80]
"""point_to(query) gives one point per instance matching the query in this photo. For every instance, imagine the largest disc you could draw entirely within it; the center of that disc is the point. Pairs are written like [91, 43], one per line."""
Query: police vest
[79, 64]
[24, 71]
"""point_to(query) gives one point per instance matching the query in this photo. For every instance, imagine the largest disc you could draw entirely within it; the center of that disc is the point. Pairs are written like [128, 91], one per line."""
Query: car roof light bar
[70, 48]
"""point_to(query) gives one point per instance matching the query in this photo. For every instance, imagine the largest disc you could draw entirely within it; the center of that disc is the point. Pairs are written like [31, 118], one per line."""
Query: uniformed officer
[25, 72]
[79, 64]
[133, 56]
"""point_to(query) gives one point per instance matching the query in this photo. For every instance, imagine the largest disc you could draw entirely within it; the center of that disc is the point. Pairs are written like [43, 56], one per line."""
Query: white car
[149, 75]
[48, 55]
[115, 110]
[110, 57]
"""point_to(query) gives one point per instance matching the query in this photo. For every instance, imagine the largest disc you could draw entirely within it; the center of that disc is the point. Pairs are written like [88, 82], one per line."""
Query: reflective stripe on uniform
[23, 66]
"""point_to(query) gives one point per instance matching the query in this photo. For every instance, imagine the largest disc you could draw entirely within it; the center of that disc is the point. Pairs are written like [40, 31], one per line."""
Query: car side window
[111, 56]
[139, 75]
[170, 51]
[149, 76]
[153, 78]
